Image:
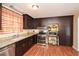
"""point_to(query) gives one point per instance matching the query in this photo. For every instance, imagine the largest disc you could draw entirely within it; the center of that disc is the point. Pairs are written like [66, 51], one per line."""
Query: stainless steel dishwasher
[8, 50]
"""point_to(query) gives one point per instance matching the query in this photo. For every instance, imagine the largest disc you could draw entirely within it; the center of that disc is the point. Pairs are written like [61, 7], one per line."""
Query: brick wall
[11, 21]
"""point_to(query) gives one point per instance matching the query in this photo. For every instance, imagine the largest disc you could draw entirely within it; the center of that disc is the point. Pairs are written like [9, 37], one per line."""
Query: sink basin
[8, 36]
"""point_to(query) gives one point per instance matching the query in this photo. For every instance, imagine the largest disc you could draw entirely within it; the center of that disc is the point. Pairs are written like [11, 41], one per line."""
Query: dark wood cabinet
[66, 31]
[24, 45]
[34, 41]
[20, 47]
[37, 23]
[30, 42]
[0, 15]
[27, 22]
[30, 23]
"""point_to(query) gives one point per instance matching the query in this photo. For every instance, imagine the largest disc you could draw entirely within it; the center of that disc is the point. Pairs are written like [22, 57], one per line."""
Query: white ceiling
[46, 9]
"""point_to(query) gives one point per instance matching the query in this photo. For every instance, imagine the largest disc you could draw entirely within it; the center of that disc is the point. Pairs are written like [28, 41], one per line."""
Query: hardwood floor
[38, 50]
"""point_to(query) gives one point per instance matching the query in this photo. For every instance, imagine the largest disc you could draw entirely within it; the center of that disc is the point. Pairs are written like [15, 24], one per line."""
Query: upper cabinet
[28, 22]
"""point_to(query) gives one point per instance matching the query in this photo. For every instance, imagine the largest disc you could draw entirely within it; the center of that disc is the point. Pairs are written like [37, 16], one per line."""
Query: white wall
[76, 31]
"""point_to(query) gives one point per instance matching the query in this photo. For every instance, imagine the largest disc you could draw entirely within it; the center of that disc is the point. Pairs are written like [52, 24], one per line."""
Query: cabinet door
[27, 22]
[34, 41]
[66, 31]
[18, 51]
[20, 47]
[27, 44]
[62, 39]
[24, 22]
[30, 42]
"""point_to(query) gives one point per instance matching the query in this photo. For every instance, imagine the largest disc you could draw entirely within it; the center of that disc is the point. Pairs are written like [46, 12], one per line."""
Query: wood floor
[38, 50]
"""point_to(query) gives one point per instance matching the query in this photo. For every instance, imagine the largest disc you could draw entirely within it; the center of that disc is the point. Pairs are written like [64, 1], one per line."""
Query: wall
[0, 14]
[11, 21]
[76, 31]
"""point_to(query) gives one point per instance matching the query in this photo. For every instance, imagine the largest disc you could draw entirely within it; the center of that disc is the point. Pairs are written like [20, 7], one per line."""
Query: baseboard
[75, 48]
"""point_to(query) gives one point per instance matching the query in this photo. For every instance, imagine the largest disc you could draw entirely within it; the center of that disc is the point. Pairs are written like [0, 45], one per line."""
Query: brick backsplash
[11, 21]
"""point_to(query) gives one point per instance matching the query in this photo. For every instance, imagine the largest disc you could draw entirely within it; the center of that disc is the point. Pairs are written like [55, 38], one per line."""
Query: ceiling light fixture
[35, 7]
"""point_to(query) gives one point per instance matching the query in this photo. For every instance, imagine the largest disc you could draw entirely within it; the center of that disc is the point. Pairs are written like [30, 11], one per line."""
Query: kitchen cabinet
[37, 23]
[29, 41]
[24, 45]
[66, 31]
[20, 47]
[30, 23]
[34, 41]
[27, 22]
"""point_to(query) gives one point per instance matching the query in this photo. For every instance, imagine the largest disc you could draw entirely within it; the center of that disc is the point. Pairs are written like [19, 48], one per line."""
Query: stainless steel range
[46, 36]
[43, 36]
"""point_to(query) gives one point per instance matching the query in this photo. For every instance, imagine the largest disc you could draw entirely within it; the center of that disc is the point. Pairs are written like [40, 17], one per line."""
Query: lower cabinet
[24, 45]
[34, 39]
[20, 47]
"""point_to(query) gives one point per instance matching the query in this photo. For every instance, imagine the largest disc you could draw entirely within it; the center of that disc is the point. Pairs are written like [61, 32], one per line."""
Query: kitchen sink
[8, 36]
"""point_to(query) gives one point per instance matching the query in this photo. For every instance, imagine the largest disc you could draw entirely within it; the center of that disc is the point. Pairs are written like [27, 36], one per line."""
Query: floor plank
[39, 50]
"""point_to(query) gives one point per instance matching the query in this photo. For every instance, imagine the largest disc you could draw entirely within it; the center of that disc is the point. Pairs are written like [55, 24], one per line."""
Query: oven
[42, 36]
[53, 38]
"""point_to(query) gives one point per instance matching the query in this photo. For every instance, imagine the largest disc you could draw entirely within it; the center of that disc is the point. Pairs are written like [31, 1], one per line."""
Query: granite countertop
[7, 39]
